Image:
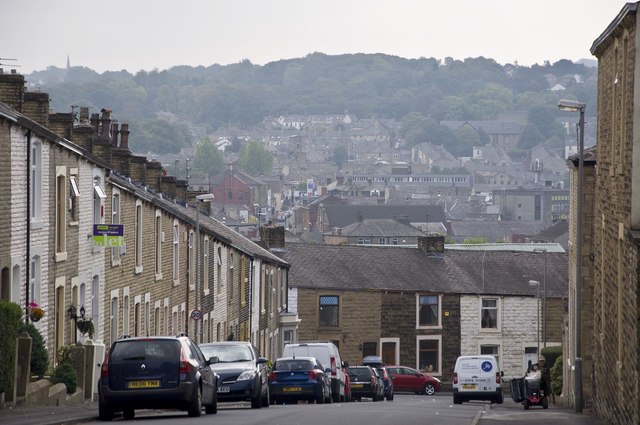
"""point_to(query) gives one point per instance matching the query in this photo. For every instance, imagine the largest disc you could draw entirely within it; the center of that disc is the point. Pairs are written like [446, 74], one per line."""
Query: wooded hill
[367, 85]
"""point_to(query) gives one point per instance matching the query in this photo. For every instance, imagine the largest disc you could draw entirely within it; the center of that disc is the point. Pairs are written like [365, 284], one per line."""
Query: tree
[254, 159]
[208, 159]
[340, 155]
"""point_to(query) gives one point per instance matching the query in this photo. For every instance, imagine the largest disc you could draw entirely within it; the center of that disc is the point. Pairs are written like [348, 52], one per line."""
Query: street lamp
[206, 197]
[544, 296]
[537, 285]
[574, 106]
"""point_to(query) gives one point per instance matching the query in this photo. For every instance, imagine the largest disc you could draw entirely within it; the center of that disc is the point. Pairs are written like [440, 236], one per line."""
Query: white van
[328, 355]
[477, 378]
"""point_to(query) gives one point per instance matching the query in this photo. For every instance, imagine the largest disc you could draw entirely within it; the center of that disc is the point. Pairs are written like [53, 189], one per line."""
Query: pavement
[495, 414]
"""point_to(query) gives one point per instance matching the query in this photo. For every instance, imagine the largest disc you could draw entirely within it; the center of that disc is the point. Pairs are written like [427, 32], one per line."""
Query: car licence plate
[356, 385]
[149, 383]
[468, 387]
[223, 389]
[291, 389]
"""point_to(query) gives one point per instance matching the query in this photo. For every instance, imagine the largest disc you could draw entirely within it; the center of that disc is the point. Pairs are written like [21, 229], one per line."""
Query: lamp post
[537, 285]
[543, 251]
[574, 106]
[206, 197]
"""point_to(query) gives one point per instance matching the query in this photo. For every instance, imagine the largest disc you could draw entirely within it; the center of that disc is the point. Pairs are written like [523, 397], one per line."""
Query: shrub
[556, 376]
[64, 354]
[10, 315]
[551, 353]
[65, 373]
[39, 353]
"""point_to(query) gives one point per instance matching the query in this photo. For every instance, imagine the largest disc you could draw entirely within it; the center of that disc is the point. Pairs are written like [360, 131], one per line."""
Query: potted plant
[85, 326]
[34, 312]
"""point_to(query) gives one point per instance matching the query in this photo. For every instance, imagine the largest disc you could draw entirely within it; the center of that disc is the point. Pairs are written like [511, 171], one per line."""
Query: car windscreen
[145, 350]
[293, 365]
[228, 353]
[360, 373]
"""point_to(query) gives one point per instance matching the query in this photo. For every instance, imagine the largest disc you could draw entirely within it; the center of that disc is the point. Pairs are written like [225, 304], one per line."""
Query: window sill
[207, 292]
[116, 262]
[176, 282]
[37, 224]
[429, 327]
[158, 276]
[138, 269]
[489, 330]
[192, 287]
[60, 256]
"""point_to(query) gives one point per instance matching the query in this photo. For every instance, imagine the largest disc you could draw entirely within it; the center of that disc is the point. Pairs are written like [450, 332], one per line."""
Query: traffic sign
[196, 314]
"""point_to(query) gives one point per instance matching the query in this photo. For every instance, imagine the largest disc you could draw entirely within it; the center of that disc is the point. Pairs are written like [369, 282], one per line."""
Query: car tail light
[333, 366]
[104, 369]
[184, 362]
[497, 377]
[455, 377]
[272, 375]
[313, 374]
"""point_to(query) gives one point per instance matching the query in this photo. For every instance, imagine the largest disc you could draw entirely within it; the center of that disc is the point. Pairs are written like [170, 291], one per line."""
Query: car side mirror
[345, 364]
[213, 359]
[261, 360]
[327, 370]
[501, 373]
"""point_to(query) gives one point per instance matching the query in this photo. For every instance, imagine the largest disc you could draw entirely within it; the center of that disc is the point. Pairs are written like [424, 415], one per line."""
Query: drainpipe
[251, 302]
[28, 265]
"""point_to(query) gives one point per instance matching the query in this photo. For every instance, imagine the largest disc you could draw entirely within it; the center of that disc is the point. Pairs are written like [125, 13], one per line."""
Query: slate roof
[344, 215]
[344, 267]
[379, 227]
[188, 214]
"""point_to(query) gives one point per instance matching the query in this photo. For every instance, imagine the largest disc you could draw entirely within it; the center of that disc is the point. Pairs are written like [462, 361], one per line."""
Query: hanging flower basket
[34, 312]
[85, 327]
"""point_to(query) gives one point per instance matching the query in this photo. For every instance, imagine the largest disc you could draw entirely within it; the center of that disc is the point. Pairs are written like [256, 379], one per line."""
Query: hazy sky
[158, 34]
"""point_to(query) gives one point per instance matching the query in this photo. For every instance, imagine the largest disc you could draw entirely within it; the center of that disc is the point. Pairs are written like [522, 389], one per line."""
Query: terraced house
[66, 173]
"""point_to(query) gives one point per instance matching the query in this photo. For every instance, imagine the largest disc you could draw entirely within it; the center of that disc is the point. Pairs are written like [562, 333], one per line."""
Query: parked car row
[173, 372]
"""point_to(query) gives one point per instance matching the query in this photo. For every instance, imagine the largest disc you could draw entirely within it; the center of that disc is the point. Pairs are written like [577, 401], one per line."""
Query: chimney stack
[124, 136]
[272, 236]
[431, 244]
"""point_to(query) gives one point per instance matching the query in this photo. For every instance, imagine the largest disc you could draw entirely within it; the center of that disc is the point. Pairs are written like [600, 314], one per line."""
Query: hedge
[10, 315]
[39, 353]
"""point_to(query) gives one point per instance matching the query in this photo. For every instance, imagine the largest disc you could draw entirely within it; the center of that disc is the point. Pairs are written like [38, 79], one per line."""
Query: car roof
[211, 344]
[296, 358]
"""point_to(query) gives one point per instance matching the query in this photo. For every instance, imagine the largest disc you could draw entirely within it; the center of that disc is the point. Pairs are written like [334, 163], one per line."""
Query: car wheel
[429, 389]
[104, 411]
[195, 406]
[129, 413]
[526, 404]
[500, 398]
[213, 407]
[545, 403]
[256, 401]
[265, 399]
[456, 399]
[329, 398]
[390, 396]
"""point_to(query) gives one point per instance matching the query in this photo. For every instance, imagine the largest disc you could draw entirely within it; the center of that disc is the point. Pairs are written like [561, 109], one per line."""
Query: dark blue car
[376, 362]
[299, 378]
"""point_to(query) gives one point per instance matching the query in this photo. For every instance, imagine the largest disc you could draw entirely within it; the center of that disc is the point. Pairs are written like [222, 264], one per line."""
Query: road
[405, 409]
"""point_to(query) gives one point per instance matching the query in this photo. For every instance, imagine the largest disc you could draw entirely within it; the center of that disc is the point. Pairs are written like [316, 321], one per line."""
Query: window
[240, 196]
[34, 287]
[428, 314]
[243, 288]
[492, 350]
[98, 197]
[394, 241]
[36, 181]
[61, 213]
[138, 237]
[429, 354]
[125, 315]
[192, 260]
[176, 246]
[158, 244]
[75, 194]
[382, 241]
[205, 261]
[219, 270]
[230, 195]
[489, 313]
[328, 315]
[115, 219]
[95, 301]
[113, 319]
[230, 278]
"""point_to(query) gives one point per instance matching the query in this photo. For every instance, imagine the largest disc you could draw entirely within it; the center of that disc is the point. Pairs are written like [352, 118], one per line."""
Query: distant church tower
[68, 63]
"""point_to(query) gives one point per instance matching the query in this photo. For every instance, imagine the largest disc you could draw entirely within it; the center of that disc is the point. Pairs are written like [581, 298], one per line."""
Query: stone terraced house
[423, 307]
[63, 174]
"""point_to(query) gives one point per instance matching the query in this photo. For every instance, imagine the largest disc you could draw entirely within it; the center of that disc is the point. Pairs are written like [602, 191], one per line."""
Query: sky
[134, 35]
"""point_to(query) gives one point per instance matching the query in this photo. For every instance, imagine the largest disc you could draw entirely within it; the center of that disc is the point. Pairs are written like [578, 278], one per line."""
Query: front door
[389, 353]
[59, 320]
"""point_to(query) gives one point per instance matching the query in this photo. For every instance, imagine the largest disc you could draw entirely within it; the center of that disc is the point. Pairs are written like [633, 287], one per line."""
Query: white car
[477, 378]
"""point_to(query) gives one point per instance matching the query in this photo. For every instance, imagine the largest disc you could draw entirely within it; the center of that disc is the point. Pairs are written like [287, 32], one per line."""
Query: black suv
[242, 372]
[155, 373]
[365, 383]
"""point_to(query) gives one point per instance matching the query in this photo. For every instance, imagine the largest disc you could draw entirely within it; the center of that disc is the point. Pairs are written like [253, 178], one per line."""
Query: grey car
[155, 373]
[242, 372]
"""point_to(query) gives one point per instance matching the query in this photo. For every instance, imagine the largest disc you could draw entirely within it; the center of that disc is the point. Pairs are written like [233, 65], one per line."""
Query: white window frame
[437, 326]
[205, 264]
[498, 327]
[61, 214]
[432, 338]
[36, 184]
[115, 219]
[158, 244]
[176, 253]
[191, 267]
[138, 236]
